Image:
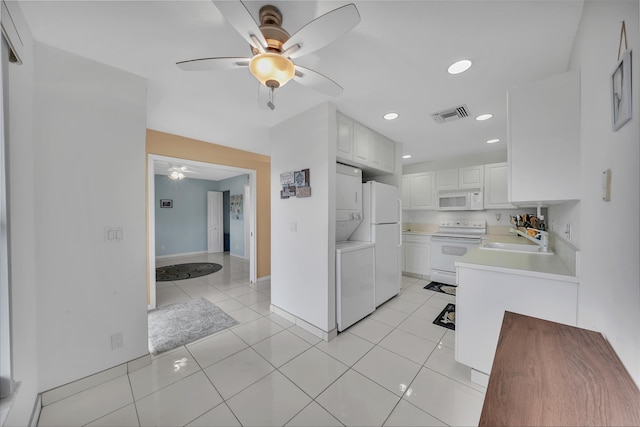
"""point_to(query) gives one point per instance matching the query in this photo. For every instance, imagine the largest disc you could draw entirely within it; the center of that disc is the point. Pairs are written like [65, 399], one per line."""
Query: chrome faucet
[541, 239]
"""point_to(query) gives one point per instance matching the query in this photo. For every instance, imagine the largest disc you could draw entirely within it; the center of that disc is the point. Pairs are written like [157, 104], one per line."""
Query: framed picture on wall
[621, 92]
[166, 203]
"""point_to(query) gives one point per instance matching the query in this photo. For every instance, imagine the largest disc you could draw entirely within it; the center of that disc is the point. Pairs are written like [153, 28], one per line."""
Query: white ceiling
[395, 59]
[196, 170]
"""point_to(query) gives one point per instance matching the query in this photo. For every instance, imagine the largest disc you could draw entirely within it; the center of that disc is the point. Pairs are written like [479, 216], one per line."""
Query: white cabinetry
[479, 313]
[471, 177]
[543, 140]
[360, 143]
[344, 148]
[496, 183]
[406, 192]
[361, 146]
[418, 191]
[417, 254]
[447, 179]
[455, 179]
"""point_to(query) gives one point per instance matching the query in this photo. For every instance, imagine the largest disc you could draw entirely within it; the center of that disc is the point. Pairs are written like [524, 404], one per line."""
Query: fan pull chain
[270, 104]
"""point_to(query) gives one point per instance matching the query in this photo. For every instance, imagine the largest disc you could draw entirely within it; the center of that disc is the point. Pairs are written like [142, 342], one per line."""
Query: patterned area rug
[447, 318]
[179, 324]
[441, 287]
[185, 271]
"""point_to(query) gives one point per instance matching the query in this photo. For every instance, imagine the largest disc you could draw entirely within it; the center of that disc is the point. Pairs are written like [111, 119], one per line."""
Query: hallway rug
[441, 287]
[169, 273]
[447, 318]
[179, 324]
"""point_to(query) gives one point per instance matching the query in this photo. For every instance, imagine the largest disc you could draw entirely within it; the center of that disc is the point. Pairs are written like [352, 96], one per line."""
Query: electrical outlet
[116, 341]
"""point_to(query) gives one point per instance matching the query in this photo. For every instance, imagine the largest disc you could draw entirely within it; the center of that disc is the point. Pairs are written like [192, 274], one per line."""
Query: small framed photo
[621, 92]
[166, 203]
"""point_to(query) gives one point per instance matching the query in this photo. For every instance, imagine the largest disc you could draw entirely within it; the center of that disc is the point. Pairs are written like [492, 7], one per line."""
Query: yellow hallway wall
[166, 144]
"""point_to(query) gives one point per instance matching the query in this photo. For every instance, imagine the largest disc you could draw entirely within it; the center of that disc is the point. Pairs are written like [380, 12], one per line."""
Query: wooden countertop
[549, 374]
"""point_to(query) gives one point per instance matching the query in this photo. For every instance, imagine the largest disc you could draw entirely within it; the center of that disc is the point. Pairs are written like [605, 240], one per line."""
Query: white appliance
[461, 200]
[348, 200]
[354, 282]
[453, 240]
[381, 209]
[355, 273]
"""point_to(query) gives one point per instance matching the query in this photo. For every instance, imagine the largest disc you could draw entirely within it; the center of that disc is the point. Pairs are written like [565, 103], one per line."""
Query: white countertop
[532, 265]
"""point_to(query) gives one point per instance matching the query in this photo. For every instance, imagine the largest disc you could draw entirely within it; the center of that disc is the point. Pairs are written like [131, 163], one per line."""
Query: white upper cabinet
[344, 149]
[361, 146]
[471, 177]
[544, 140]
[496, 185]
[419, 191]
[406, 192]
[455, 179]
[447, 179]
[360, 143]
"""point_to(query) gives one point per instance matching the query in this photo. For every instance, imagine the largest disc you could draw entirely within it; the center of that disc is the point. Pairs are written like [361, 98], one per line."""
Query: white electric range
[453, 239]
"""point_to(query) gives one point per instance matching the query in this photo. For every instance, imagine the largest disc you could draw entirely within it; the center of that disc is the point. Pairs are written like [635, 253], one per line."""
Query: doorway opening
[208, 172]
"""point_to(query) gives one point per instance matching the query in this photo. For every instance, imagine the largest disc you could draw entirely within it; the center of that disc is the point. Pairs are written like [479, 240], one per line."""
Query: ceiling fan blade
[239, 17]
[323, 30]
[207, 64]
[317, 81]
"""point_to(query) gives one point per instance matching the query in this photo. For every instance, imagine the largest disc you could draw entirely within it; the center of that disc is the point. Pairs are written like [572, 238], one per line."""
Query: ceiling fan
[178, 172]
[273, 48]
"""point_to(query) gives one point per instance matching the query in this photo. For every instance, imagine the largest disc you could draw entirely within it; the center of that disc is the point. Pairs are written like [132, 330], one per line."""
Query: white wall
[609, 291]
[89, 149]
[303, 261]
[22, 208]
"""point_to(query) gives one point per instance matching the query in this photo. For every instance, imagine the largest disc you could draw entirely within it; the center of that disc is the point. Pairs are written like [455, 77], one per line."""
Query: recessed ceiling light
[492, 141]
[406, 156]
[459, 67]
[391, 116]
[482, 117]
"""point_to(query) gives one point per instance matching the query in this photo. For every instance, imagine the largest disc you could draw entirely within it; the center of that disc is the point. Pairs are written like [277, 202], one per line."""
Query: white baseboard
[37, 409]
[181, 255]
[326, 336]
[54, 395]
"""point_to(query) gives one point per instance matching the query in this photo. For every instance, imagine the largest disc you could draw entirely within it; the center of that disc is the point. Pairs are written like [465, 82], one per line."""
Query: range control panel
[463, 224]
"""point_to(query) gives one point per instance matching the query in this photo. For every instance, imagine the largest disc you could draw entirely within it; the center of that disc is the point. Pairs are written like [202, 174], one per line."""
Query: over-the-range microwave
[461, 200]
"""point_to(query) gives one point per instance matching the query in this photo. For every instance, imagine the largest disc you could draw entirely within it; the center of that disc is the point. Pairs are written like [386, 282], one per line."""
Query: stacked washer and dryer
[368, 238]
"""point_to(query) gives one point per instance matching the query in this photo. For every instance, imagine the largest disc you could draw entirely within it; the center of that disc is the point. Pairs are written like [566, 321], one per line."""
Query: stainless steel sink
[515, 247]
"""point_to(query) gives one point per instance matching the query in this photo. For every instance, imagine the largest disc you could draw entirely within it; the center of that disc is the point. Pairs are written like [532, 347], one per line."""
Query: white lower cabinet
[484, 295]
[417, 254]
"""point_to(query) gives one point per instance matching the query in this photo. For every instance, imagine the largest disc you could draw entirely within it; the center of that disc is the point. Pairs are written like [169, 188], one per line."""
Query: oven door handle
[454, 240]
[454, 250]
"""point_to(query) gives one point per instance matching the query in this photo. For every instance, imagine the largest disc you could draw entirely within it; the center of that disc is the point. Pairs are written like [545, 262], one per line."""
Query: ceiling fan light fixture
[176, 175]
[272, 69]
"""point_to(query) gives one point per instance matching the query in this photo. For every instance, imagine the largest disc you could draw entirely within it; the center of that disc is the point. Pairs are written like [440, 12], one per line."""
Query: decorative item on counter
[527, 221]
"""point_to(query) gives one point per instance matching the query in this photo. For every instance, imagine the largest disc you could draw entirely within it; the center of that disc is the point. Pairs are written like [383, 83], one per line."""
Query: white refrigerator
[380, 225]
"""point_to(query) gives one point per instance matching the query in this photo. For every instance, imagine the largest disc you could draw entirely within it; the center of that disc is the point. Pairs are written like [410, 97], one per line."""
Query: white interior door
[215, 229]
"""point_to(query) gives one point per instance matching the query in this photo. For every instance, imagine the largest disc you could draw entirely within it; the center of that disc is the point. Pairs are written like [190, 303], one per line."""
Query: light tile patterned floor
[394, 368]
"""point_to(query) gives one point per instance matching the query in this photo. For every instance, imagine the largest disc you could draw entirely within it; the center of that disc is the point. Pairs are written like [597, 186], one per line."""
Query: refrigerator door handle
[399, 223]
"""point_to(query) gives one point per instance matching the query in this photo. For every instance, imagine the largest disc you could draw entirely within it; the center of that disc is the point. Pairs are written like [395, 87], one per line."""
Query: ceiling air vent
[451, 114]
